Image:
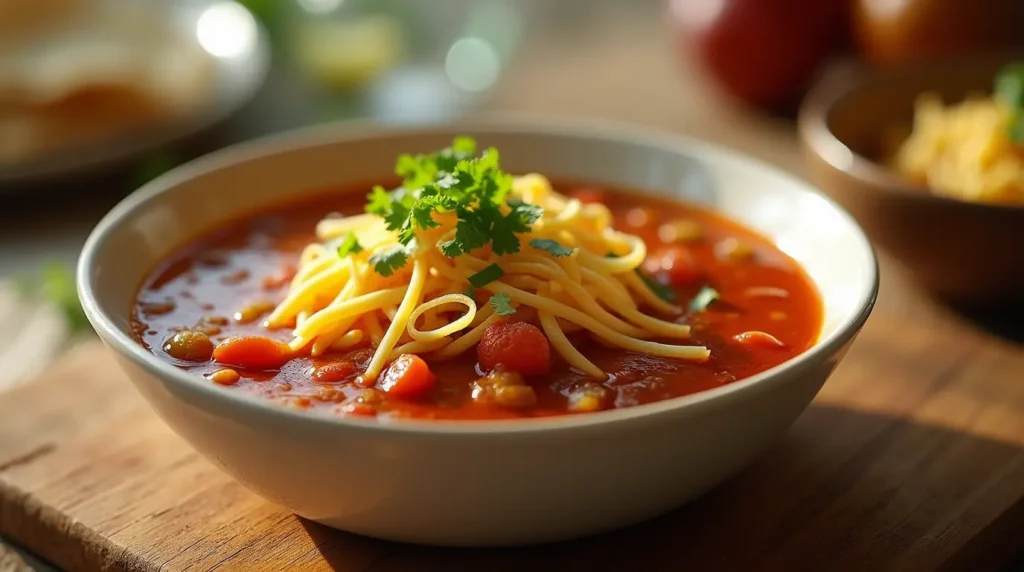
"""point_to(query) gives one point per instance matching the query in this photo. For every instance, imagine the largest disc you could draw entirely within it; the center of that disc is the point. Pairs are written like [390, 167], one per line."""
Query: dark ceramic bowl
[963, 251]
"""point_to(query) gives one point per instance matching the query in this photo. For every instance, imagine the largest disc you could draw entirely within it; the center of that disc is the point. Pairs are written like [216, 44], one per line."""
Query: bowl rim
[311, 137]
[844, 82]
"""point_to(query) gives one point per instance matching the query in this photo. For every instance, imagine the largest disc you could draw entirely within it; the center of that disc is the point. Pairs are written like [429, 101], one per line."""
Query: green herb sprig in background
[1009, 87]
[55, 283]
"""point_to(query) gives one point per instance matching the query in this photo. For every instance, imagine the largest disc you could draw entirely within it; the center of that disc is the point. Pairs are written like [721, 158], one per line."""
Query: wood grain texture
[11, 561]
[911, 458]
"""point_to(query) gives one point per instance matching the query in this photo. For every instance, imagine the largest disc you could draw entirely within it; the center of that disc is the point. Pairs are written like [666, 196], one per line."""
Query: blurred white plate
[240, 55]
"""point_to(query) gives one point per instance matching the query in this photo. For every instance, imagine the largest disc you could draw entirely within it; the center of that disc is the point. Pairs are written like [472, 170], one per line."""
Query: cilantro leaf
[378, 201]
[388, 261]
[517, 221]
[463, 146]
[423, 215]
[503, 238]
[453, 180]
[659, 289]
[418, 171]
[525, 213]
[471, 232]
[703, 299]
[502, 304]
[393, 207]
[349, 245]
[486, 276]
[551, 246]
[414, 170]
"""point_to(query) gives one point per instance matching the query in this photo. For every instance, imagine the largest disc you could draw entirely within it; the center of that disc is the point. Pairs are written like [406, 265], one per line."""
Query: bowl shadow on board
[960, 251]
[1005, 320]
[816, 499]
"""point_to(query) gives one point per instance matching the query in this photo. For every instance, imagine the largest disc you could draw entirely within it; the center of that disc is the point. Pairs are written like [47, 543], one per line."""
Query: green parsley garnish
[1010, 88]
[453, 181]
[349, 245]
[502, 304]
[703, 299]
[386, 262]
[659, 289]
[486, 276]
[551, 246]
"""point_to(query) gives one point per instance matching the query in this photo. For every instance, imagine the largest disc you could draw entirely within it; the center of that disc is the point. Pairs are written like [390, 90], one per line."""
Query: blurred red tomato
[895, 32]
[764, 52]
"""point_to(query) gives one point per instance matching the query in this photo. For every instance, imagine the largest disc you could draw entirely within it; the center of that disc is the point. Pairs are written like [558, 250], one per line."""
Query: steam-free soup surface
[756, 308]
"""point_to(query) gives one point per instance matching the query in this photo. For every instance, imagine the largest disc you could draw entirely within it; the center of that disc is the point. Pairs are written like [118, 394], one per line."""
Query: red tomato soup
[754, 309]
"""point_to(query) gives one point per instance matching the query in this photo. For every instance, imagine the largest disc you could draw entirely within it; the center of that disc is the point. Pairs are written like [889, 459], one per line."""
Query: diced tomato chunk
[408, 377]
[334, 371]
[252, 352]
[516, 346]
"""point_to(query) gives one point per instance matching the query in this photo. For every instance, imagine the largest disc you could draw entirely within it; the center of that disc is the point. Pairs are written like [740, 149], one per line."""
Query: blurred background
[99, 96]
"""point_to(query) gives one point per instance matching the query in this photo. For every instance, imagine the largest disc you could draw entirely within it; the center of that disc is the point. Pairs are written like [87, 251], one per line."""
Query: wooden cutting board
[911, 458]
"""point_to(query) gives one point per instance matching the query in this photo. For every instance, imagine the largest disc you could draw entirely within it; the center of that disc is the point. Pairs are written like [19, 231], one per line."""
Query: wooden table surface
[621, 68]
[910, 459]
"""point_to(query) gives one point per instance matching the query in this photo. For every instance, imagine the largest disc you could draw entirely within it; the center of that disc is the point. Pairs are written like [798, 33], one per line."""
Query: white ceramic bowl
[481, 482]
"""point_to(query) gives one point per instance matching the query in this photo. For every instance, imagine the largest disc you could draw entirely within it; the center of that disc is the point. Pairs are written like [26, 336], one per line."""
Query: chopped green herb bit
[390, 260]
[349, 245]
[470, 292]
[660, 290]
[551, 246]
[486, 276]
[703, 299]
[455, 181]
[502, 304]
